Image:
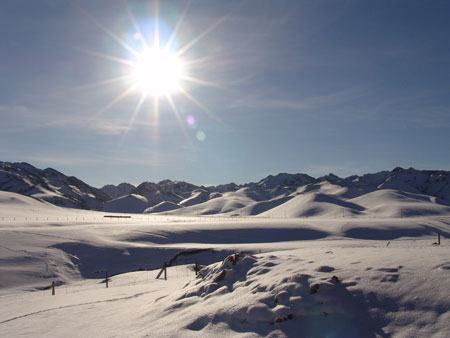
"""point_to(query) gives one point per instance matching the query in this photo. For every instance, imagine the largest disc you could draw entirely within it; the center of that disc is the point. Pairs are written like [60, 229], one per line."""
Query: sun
[158, 68]
[157, 72]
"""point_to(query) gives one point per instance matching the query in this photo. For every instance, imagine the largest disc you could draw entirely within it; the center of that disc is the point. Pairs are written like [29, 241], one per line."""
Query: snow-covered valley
[329, 275]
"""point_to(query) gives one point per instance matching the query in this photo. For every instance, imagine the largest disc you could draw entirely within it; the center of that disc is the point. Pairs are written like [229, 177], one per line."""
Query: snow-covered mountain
[179, 188]
[114, 191]
[285, 180]
[50, 185]
[429, 182]
[286, 195]
[384, 194]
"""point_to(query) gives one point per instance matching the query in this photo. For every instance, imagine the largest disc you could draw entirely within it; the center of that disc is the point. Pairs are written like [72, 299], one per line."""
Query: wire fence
[151, 219]
[123, 280]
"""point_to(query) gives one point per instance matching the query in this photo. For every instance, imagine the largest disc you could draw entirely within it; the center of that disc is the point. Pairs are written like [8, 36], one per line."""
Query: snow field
[291, 294]
[286, 277]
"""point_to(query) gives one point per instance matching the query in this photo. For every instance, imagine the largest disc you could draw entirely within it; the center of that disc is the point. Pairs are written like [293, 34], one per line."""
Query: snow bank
[257, 294]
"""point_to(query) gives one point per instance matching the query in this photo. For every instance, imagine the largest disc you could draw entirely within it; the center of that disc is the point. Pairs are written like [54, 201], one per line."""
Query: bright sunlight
[157, 68]
[157, 72]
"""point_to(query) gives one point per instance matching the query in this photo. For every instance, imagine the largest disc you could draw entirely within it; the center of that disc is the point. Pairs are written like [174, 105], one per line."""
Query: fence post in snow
[439, 239]
[163, 269]
[196, 268]
[53, 288]
[106, 278]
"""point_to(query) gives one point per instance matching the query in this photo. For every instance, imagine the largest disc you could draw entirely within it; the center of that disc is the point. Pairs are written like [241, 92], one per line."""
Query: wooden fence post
[53, 288]
[439, 239]
[163, 269]
[106, 278]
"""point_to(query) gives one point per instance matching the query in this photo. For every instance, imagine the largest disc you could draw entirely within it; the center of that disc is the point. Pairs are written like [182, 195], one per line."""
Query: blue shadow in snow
[93, 261]
[232, 236]
[393, 232]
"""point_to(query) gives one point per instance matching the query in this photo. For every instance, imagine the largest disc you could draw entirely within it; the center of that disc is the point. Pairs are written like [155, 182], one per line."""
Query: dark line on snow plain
[74, 305]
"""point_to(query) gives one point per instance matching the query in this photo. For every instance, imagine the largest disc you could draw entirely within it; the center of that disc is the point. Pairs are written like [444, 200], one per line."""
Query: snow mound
[162, 207]
[16, 204]
[268, 294]
[314, 204]
[198, 196]
[229, 273]
[260, 207]
[395, 203]
[130, 203]
[228, 202]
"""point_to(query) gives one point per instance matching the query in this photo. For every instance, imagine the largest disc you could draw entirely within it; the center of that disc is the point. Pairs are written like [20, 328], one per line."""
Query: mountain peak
[49, 185]
[114, 191]
[57, 188]
[332, 178]
[285, 180]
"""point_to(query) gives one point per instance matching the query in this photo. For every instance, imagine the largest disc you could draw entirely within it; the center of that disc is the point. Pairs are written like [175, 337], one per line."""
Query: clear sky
[347, 87]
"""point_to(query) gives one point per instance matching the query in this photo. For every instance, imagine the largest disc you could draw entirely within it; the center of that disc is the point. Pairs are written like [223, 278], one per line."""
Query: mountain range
[399, 192]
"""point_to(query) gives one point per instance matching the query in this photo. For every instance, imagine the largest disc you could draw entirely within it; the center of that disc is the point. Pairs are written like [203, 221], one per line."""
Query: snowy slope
[163, 207]
[225, 203]
[296, 277]
[285, 180]
[49, 185]
[323, 199]
[13, 204]
[178, 188]
[283, 195]
[197, 196]
[155, 194]
[132, 203]
[429, 182]
[332, 196]
[396, 203]
[120, 190]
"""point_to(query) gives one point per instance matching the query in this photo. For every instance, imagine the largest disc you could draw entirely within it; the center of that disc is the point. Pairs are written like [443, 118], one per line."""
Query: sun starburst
[155, 70]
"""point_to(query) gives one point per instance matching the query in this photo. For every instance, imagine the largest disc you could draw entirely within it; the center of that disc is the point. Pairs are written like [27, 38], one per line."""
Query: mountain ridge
[49, 185]
[254, 198]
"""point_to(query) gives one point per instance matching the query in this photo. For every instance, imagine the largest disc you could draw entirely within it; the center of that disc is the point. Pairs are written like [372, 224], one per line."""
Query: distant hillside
[114, 191]
[50, 185]
[400, 192]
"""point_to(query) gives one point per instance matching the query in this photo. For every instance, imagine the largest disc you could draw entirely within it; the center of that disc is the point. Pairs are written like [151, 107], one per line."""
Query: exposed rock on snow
[114, 191]
[49, 185]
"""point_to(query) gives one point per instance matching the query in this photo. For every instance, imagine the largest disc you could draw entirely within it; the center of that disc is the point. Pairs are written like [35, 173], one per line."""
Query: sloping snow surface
[337, 274]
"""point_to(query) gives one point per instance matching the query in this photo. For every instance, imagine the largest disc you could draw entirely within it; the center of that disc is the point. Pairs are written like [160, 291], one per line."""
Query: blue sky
[347, 87]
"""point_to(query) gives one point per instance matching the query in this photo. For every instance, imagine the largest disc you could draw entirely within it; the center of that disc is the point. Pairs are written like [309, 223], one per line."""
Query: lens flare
[201, 136]
[190, 120]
